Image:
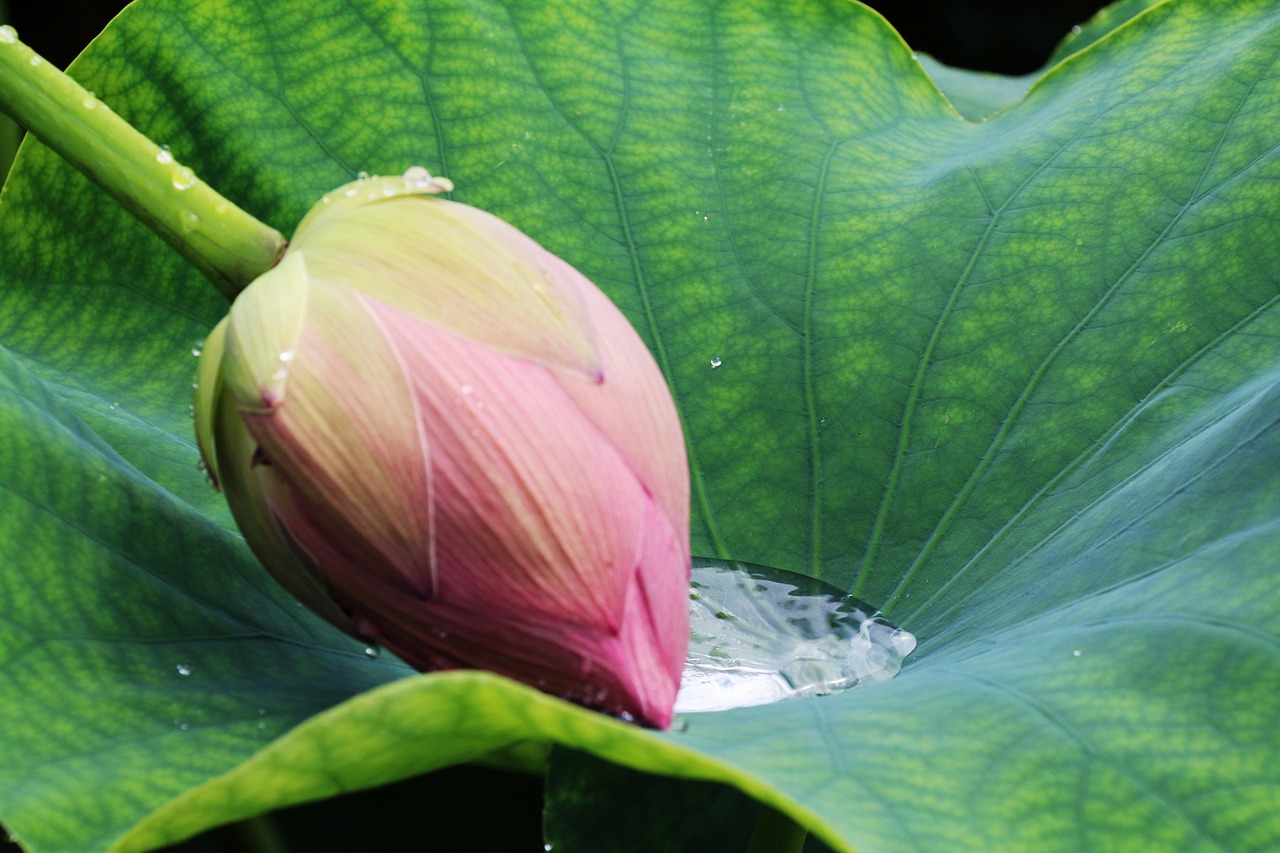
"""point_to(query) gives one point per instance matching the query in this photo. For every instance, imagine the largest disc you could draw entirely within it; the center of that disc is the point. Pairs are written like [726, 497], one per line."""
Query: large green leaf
[1017, 380]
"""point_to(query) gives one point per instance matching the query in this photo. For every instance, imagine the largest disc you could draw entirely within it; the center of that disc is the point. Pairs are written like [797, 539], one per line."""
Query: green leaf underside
[1017, 381]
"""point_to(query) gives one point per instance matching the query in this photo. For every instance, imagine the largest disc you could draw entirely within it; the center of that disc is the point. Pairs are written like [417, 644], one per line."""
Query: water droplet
[197, 348]
[164, 156]
[371, 652]
[191, 411]
[287, 355]
[1075, 31]
[183, 178]
[113, 406]
[1076, 652]
[417, 176]
[182, 724]
[8, 35]
[190, 221]
[89, 102]
[626, 717]
[35, 60]
[201, 466]
[716, 362]
[547, 847]
[184, 669]
[781, 108]
[789, 637]
[362, 176]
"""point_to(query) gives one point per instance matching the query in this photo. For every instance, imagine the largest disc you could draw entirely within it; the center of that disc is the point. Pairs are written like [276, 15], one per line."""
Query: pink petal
[344, 462]
[534, 507]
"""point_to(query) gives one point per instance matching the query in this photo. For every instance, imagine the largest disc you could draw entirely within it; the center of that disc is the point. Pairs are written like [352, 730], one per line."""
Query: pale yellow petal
[461, 269]
[264, 326]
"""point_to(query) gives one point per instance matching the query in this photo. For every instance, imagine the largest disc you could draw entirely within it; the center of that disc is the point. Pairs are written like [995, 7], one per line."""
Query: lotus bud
[444, 439]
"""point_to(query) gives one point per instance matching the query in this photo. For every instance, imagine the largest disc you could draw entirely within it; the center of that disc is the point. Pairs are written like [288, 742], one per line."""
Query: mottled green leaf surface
[1018, 381]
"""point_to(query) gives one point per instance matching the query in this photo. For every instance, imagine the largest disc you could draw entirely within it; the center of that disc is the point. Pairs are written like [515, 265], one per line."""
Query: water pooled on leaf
[761, 635]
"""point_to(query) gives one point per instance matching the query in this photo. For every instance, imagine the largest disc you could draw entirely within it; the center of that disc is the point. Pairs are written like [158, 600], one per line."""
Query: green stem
[774, 832]
[228, 245]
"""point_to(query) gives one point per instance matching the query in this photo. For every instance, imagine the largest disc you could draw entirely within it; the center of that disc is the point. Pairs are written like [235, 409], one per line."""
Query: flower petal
[534, 508]
[262, 333]
[634, 670]
[272, 545]
[345, 462]
[207, 389]
[461, 269]
[634, 409]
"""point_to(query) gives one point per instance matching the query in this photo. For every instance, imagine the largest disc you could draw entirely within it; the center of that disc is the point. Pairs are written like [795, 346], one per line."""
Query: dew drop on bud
[418, 176]
[183, 178]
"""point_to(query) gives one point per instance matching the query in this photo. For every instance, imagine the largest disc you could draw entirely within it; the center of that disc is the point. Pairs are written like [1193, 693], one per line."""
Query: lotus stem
[230, 247]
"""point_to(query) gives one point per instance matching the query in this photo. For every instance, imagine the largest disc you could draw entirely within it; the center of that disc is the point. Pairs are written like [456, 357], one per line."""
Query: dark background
[1005, 36]
[1008, 36]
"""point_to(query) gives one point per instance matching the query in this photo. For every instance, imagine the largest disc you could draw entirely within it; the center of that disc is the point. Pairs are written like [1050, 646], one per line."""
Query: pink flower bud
[446, 440]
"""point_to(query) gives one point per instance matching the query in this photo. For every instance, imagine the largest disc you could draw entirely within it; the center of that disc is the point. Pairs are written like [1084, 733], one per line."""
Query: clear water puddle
[763, 635]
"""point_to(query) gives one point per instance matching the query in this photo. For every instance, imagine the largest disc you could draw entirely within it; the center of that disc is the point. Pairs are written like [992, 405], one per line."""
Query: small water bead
[362, 176]
[716, 362]
[184, 669]
[417, 175]
[762, 635]
[164, 156]
[190, 221]
[35, 60]
[197, 348]
[183, 178]
[372, 652]
[8, 35]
